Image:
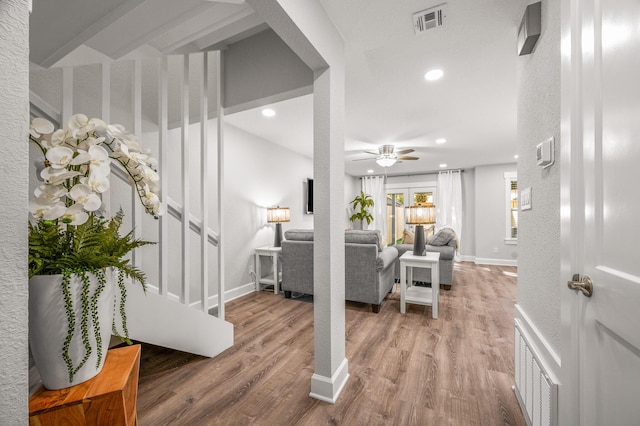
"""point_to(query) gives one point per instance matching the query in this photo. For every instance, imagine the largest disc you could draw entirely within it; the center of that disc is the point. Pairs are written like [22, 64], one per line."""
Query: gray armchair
[444, 241]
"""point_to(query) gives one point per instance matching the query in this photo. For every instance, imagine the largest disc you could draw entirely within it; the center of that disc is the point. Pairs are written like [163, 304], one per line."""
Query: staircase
[174, 312]
[152, 318]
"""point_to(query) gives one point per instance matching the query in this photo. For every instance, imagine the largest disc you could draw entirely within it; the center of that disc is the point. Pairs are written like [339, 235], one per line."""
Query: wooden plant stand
[107, 399]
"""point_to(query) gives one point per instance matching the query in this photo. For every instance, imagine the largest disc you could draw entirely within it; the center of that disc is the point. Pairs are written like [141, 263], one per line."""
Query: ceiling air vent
[429, 18]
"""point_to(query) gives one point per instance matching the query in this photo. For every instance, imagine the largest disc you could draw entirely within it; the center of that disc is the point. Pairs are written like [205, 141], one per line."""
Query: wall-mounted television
[309, 196]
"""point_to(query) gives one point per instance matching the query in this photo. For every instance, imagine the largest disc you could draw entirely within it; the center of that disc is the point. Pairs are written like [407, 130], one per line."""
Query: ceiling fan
[386, 157]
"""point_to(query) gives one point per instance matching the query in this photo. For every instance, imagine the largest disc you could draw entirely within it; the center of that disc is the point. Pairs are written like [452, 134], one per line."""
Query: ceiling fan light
[433, 75]
[386, 162]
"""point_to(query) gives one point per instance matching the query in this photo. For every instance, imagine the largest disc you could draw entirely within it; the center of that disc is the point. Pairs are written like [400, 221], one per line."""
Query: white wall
[539, 119]
[491, 204]
[258, 175]
[14, 166]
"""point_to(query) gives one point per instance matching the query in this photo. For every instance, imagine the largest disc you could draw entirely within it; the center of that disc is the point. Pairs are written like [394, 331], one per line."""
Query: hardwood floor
[405, 369]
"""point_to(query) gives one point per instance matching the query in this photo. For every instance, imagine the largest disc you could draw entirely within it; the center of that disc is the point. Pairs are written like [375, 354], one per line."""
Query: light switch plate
[525, 199]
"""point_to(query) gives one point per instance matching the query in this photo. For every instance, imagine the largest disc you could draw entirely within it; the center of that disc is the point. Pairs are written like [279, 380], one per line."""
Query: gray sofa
[369, 266]
[443, 241]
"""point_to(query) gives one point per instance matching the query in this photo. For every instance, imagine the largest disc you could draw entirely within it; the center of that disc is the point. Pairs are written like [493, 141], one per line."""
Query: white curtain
[374, 186]
[449, 202]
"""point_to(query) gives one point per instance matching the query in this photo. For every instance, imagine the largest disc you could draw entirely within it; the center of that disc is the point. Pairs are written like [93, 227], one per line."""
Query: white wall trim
[328, 389]
[539, 345]
[496, 262]
[467, 258]
[229, 295]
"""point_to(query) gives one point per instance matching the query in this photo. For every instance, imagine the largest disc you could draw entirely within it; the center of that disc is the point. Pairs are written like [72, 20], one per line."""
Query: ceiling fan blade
[404, 157]
[371, 152]
[405, 151]
[362, 159]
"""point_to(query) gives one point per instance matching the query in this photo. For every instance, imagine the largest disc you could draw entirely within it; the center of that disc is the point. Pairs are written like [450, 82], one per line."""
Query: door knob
[585, 285]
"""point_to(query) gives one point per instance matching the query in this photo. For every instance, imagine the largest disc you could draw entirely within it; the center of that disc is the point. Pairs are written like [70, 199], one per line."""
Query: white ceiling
[387, 99]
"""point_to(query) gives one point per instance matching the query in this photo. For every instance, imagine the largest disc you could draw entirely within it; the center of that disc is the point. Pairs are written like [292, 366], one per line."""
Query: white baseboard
[229, 295]
[328, 389]
[467, 258]
[497, 262]
[539, 345]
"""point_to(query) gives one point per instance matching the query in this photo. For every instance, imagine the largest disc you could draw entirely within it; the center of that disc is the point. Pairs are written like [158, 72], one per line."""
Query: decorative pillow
[442, 237]
[407, 237]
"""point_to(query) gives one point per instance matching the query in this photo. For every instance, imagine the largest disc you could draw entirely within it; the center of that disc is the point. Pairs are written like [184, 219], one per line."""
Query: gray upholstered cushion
[364, 237]
[299, 234]
[386, 257]
[442, 237]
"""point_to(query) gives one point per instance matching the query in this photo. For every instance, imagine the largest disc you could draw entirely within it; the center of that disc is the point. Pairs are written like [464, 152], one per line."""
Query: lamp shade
[278, 214]
[420, 214]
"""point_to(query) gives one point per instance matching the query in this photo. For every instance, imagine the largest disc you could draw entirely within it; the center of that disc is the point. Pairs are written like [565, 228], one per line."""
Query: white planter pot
[48, 327]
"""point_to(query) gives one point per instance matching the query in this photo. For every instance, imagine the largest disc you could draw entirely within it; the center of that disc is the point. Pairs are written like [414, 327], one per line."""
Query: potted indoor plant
[77, 256]
[360, 203]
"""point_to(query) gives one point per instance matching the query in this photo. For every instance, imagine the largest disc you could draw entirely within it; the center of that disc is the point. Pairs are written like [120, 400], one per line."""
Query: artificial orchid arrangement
[77, 165]
[70, 235]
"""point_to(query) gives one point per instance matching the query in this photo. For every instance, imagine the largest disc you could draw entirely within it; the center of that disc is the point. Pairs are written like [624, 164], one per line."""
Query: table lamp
[419, 215]
[278, 215]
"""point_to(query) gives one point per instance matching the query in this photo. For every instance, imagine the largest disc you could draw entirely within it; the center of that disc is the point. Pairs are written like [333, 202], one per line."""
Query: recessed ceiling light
[369, 171]
[433, 75]
[441, 140]
[443, 165]
[515, 156]
[268, 112]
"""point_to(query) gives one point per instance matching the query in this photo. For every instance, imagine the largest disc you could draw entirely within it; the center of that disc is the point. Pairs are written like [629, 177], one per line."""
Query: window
[399, 196]
[395, 217]
[511, 197]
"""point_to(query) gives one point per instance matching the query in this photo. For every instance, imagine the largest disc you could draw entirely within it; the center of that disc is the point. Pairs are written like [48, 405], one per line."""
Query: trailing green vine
[71, 322]
[102, 281]
[123, 313]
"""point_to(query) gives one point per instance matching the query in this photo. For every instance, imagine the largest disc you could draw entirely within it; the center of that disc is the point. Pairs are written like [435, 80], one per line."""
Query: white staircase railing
[169, 314]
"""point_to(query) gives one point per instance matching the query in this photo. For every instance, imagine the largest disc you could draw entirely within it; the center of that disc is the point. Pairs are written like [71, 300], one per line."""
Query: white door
[600, 210]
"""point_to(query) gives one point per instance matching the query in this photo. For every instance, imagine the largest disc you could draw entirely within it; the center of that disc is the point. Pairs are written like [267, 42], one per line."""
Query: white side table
[274, 280]
[419, 295]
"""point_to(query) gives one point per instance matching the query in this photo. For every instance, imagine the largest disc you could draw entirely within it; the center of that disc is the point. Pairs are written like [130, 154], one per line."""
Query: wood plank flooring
[405, 369]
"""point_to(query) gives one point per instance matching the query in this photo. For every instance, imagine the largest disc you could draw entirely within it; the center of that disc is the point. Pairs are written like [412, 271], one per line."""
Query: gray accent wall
[539, 119]
[14, 173]
[262, 69]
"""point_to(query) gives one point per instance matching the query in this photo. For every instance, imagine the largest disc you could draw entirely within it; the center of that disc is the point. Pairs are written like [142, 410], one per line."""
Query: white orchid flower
[50, 192]
[97, 158]
[46, 209]
[53, 176]
[74, 215]
[40, 126]
[151, 202]
[131, 141]
[59, 137]
[59, 157]
[113, 131]
[89, 142]
[97, 182]
[150, 175]
[80, 125]
[84, 196]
